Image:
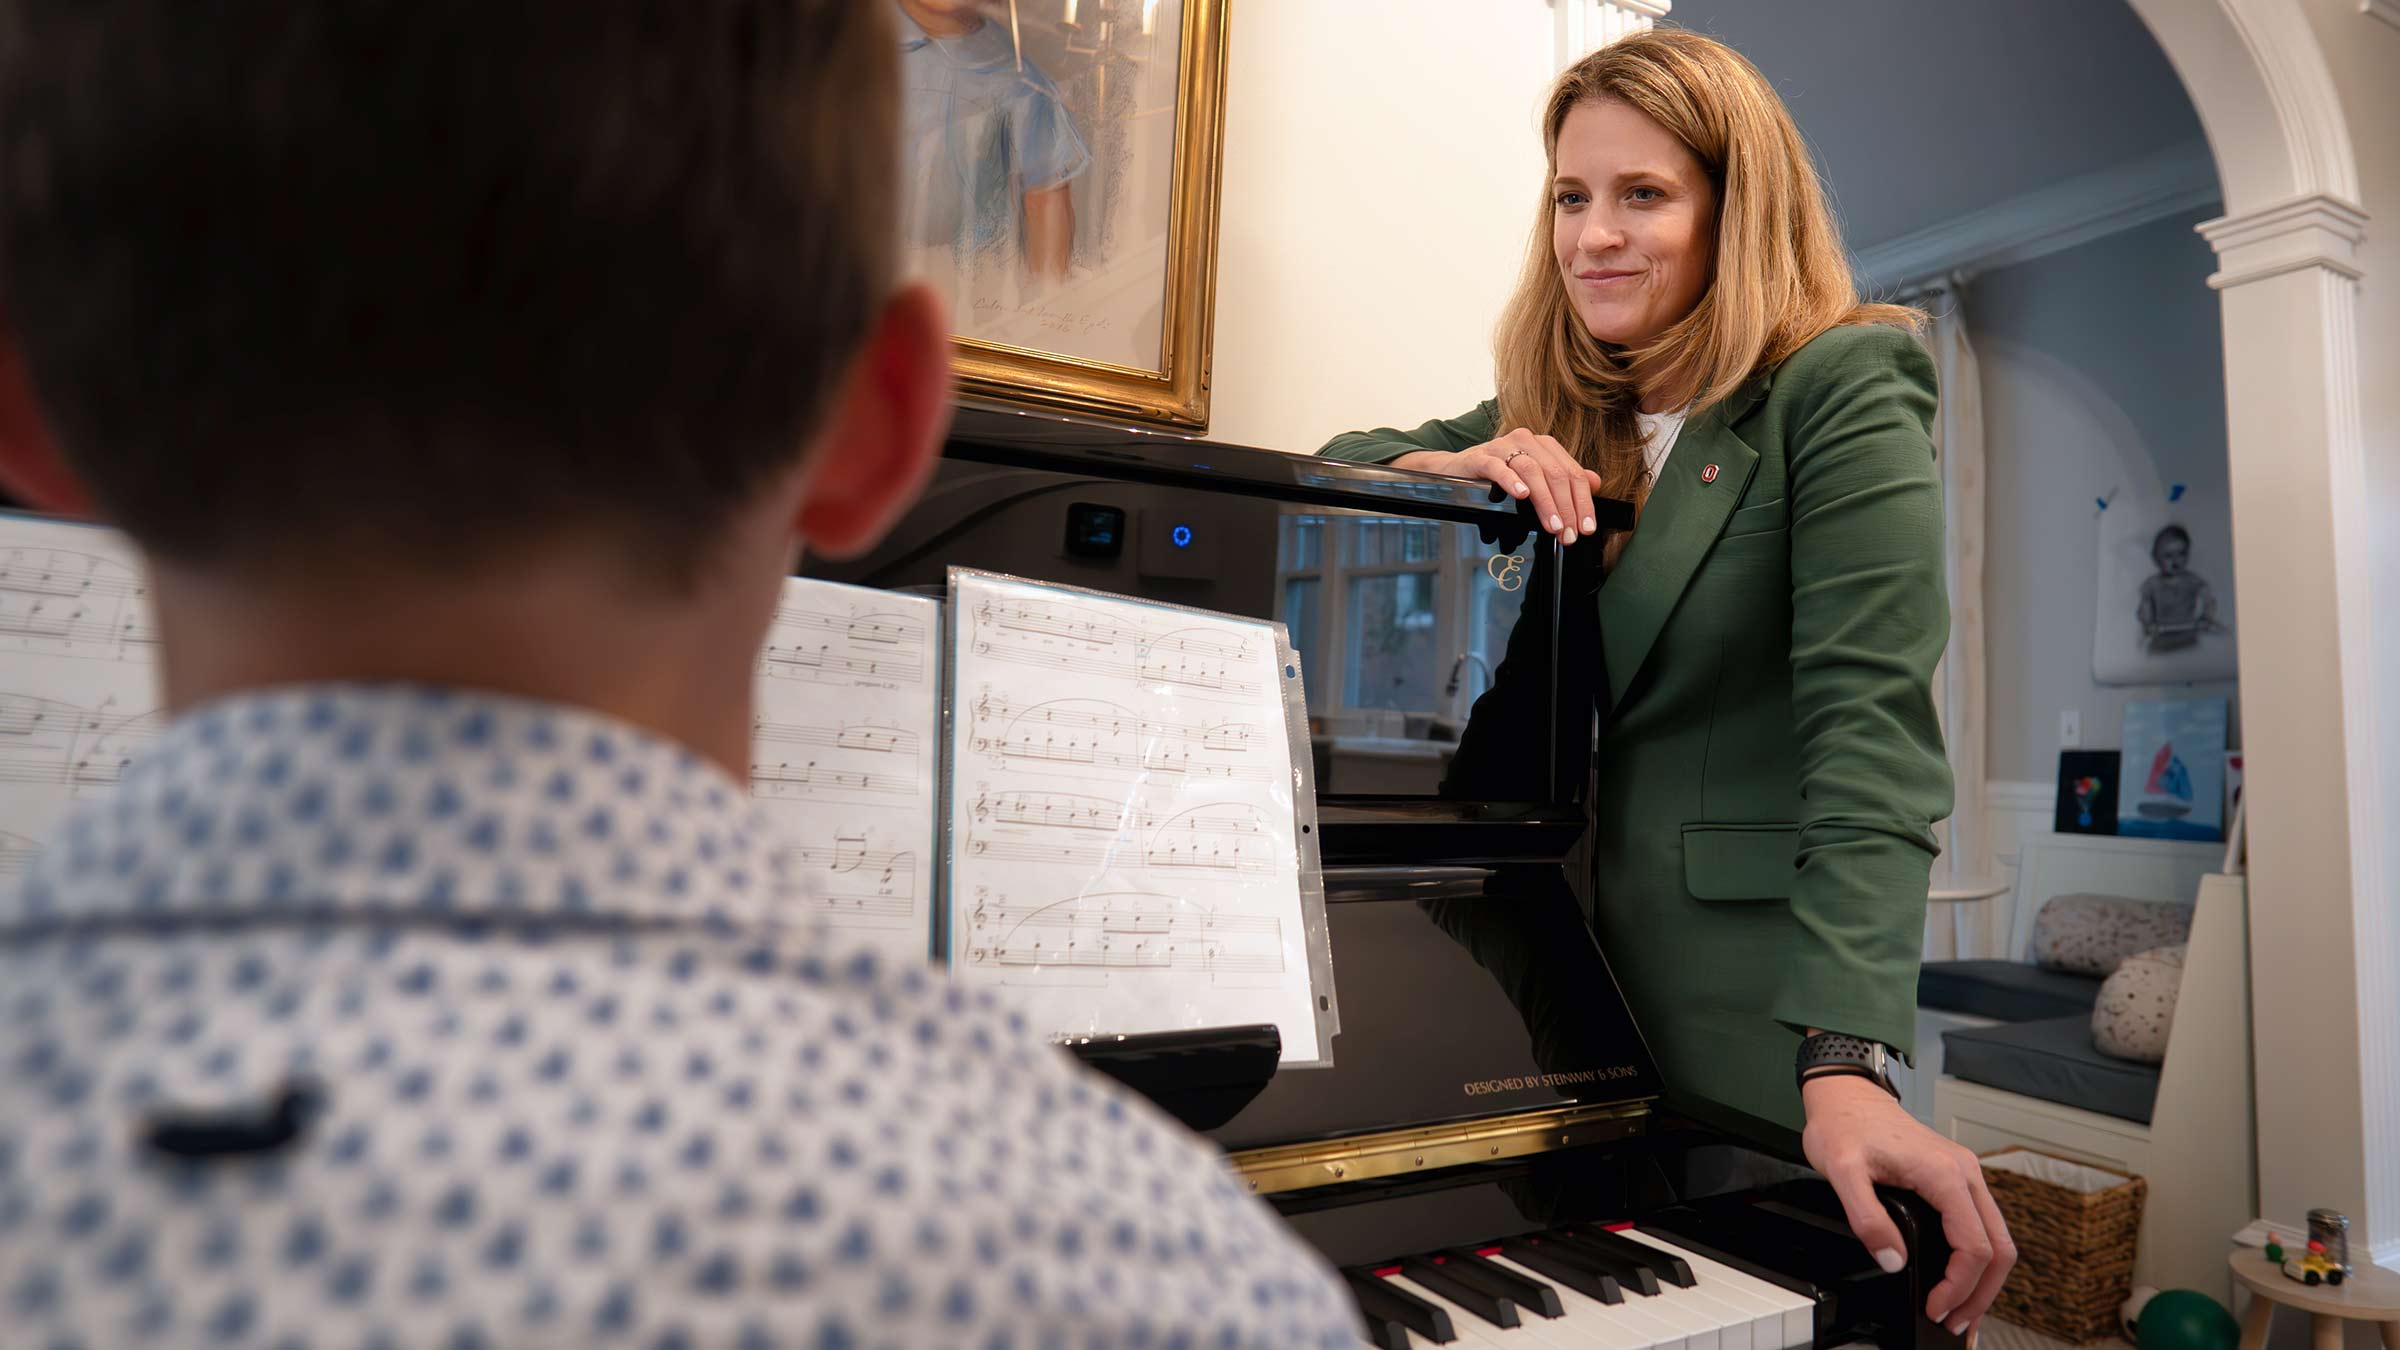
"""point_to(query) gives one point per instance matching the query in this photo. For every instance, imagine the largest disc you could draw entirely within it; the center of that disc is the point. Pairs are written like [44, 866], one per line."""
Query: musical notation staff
[1072, 811]
[865, 645]
[1076, 638]
[860, 760]
[866, 737]
[852, 879]
[1122, 930]
[1229, 837]
[44, 740]
[74, 602]
[1097, 734]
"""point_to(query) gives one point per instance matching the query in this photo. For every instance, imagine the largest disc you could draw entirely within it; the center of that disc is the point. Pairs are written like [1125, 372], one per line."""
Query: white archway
[2325, 995]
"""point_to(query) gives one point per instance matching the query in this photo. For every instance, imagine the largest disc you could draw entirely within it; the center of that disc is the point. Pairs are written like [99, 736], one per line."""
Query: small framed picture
[2087, 792]
[2174, 769]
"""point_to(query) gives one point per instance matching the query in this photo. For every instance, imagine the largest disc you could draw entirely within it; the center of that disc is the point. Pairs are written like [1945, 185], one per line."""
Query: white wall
[2096, 359]
[1381, 171]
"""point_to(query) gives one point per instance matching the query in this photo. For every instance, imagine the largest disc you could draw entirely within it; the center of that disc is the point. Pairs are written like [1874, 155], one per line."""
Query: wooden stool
[2366, 1295]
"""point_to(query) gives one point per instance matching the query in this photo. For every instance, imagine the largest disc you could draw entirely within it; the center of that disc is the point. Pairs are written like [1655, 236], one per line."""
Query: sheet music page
[845, 749]
[78, 675]
[1121, 829]
[845, 731]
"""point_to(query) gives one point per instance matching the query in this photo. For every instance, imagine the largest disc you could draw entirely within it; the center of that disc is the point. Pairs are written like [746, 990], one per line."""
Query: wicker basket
[2074, 1227]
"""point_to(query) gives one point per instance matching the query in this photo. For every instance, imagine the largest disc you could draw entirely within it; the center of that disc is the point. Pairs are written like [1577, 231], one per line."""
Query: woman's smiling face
[1633, 223]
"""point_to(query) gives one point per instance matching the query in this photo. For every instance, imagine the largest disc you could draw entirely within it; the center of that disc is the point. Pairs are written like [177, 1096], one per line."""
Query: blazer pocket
[1757, 519]
[1739, 862]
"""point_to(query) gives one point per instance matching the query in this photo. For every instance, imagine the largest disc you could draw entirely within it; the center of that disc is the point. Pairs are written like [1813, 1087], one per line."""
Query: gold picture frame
[1176, 392]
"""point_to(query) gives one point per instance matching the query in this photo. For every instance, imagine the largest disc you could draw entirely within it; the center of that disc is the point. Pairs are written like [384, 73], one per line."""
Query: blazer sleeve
[1385, 444]
[1869, 622]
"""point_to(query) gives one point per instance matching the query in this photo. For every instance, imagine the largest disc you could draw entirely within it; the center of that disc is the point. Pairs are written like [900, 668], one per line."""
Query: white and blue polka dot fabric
[559, 1072]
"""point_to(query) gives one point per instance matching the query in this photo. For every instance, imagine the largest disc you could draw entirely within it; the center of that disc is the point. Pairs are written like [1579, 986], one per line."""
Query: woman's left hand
[1858, 1136]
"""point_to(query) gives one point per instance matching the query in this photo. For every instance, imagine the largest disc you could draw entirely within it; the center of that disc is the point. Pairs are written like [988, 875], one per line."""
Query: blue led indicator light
[1183, 536]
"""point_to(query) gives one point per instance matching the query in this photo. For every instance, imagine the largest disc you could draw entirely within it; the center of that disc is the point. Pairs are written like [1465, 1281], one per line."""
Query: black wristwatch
[1827, 1053]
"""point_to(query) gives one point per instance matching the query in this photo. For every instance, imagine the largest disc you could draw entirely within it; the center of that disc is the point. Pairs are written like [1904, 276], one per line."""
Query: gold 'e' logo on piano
[1507, 569]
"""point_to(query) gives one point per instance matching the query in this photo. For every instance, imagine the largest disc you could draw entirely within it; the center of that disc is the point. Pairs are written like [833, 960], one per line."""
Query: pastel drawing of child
[2177, 606]
[991, 148]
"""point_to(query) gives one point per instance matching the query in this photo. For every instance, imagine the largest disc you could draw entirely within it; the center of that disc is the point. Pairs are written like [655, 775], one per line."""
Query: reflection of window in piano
[1393, 619]
[1381, 609]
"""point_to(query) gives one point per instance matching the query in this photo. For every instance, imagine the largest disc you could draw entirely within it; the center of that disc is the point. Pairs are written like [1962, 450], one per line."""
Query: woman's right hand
[1527, 467]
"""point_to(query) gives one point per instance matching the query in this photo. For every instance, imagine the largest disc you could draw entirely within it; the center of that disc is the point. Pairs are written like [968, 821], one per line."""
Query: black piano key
[1474, 1268]
[1497, 1309]
[1634, 1275]
[1385, 1335]
[1665, 1265]
[1557, 1264]
[1383, 1303]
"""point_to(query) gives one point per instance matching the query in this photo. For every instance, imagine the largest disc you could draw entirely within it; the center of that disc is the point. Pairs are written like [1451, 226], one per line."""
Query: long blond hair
[1781, 276]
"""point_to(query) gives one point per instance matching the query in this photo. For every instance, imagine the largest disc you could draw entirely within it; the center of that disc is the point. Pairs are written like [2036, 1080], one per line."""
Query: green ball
[2181, 1319]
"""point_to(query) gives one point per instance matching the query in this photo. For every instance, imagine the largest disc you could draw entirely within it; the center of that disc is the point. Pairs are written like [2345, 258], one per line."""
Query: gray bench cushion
[2006, 991]
[2055, 1061]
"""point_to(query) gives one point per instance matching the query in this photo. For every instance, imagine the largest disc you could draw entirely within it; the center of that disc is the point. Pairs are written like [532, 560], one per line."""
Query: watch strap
[1829, 1052]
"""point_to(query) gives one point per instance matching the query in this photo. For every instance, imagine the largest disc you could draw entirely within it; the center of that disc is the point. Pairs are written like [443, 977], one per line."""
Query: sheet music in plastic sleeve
[1123, 852]
[79, 692]
[845, 751]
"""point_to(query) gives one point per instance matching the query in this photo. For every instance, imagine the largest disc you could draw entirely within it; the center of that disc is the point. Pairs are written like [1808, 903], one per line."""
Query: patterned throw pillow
[2090, 934]
[2137, 1006]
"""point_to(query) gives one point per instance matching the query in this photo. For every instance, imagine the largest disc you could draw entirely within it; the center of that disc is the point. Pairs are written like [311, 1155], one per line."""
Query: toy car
[2314, 1267]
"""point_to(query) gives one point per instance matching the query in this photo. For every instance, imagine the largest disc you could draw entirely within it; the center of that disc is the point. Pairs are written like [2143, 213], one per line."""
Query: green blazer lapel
[1704, 478]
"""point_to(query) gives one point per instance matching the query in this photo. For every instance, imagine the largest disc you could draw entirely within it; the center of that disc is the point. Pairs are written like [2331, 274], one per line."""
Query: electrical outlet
[2070, 728]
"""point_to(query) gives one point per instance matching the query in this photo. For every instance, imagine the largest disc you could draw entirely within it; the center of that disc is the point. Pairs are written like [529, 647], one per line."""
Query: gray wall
[1921, 111]
[2090, 358]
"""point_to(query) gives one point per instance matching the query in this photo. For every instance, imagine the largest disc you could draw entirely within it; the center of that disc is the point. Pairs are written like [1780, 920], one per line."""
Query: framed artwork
[2087, 792]
[2166, 589]
[1060, 185]
[2174, 769]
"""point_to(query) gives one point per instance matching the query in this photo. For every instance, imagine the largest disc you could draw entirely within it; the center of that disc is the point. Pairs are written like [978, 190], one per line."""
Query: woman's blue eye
[1645, 194]
[1570, 199]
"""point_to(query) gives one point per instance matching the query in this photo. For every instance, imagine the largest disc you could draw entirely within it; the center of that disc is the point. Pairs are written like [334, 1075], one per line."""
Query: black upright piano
[1492, 1157]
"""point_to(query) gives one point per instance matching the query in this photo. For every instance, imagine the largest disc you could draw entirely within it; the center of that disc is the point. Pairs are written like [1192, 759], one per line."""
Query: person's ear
[889, 418]
[31, 468]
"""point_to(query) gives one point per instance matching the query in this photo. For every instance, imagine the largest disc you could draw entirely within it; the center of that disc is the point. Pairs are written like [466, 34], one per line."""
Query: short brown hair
[1781, 274]
[436, 274]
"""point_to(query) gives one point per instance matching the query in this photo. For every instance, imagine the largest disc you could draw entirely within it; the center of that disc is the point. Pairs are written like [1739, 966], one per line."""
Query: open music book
[1126, 810]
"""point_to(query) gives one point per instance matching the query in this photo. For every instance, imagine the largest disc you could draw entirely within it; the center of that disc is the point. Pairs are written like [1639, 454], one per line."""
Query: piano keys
[1477, 1296]
[1492, 1158]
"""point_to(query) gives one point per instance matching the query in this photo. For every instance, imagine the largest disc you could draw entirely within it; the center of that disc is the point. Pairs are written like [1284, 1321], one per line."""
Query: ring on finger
[1510, 458]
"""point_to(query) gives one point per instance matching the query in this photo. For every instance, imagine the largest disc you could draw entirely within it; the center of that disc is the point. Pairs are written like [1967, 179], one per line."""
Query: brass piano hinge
[1364, 1157]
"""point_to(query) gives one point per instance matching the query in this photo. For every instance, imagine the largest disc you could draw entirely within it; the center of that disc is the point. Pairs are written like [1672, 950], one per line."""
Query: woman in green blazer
[1687, 335]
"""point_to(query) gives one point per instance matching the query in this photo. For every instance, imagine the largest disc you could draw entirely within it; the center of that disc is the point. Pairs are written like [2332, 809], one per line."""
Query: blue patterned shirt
[553, 1068]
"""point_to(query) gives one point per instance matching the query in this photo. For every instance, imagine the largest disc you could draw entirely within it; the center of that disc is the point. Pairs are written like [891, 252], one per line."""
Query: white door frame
[2325, 996]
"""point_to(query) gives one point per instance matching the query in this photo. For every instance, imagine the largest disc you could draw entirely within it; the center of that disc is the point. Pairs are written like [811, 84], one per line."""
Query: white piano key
[1798, 1314]
[1472, 1330]
[1700, 1329]
[1631, 1328]
[1752, 1321]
